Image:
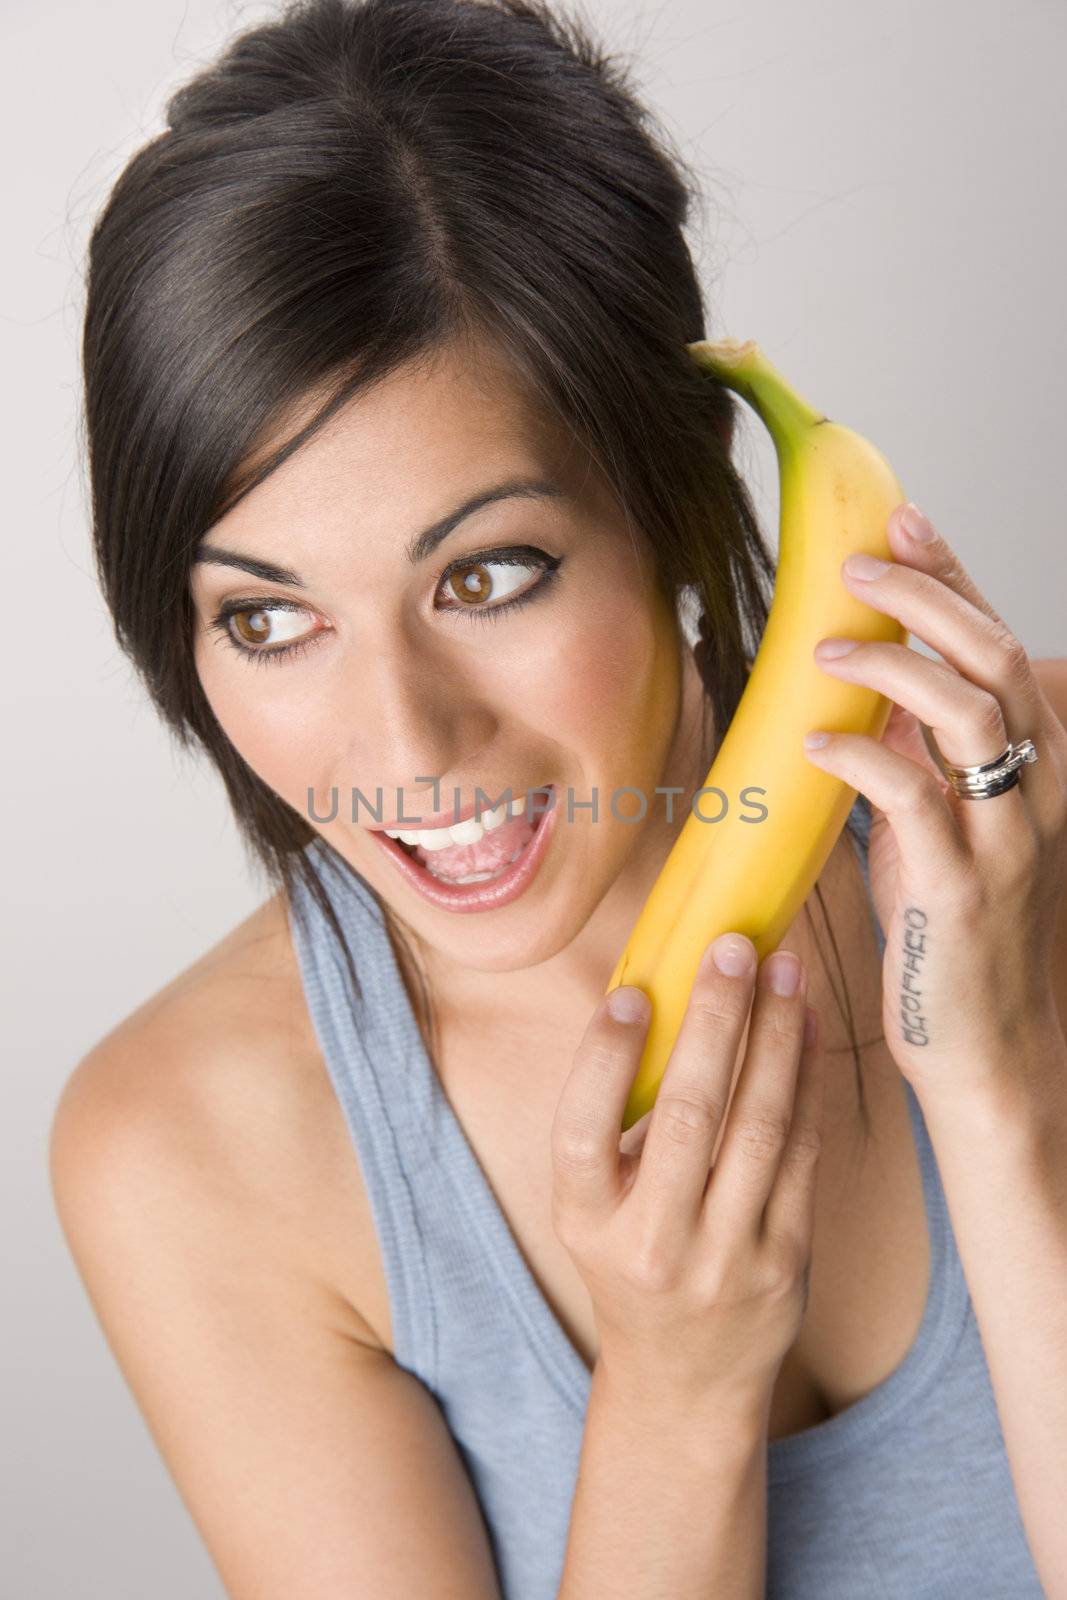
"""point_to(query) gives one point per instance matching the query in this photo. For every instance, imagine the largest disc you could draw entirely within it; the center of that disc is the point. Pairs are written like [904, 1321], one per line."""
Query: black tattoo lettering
[912, 1021]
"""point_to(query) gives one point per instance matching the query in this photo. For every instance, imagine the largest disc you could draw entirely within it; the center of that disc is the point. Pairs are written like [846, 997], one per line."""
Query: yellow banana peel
[779, 816]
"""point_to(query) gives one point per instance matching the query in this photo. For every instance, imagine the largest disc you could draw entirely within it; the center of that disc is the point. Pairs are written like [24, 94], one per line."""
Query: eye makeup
[510, 555]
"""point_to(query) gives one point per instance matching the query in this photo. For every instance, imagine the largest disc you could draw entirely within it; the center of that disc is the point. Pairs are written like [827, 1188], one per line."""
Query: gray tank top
[905, 1495]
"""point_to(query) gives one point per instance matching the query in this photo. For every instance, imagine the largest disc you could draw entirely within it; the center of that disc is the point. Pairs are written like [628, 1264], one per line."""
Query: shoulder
[211, 1104]
[218, 1050]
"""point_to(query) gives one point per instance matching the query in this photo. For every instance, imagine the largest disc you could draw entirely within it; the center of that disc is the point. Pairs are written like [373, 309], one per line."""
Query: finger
[790, 1211]
[966, 630]
[930, 592]
[632, 1139]
[761, 1111]
[966, 718]
[589, 1114]
[694, 1090]
[916, 802]
[907, 735]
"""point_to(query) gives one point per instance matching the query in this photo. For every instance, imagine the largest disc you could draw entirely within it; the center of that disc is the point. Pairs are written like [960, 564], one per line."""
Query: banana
[779, 816]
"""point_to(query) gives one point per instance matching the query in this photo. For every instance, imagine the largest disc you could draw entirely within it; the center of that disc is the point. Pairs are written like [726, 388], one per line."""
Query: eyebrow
[423, 545]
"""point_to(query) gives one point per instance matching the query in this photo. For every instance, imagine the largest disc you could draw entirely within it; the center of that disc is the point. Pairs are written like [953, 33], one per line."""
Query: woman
[385, 340]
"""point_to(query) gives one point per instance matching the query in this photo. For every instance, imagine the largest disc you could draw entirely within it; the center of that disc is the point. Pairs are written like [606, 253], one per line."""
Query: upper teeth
[468, 832]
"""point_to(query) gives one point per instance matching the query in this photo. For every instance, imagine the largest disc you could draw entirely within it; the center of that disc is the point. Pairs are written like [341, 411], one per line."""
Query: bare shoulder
[212, 1203]
[220, 1074]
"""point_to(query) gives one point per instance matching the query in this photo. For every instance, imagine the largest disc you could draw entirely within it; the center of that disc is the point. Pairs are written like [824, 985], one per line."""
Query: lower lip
[486, 896]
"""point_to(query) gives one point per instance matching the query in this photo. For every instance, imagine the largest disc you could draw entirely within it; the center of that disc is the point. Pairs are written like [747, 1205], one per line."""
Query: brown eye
[256, 629]
[473, 584]
[277, 627]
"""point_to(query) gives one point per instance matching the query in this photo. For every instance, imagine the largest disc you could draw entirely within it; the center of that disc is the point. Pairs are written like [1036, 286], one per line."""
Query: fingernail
[919, 527]
[627, 1004]
[782, 972]
[733, 954]
[861, 565]
[830, 649]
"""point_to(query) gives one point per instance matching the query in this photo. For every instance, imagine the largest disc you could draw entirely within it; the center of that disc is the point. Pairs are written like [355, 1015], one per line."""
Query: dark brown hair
[344, 190]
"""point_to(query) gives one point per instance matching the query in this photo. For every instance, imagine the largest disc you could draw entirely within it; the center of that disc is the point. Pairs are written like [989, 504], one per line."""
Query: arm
[1004, 1169]
[313, 1466]
[666, 1506]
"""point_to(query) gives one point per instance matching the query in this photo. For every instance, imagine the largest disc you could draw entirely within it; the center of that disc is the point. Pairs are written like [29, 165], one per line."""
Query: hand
[967, 891]
[698, 1281]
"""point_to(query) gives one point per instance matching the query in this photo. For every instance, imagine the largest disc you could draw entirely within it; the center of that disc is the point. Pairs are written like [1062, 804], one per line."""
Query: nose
[417, 715]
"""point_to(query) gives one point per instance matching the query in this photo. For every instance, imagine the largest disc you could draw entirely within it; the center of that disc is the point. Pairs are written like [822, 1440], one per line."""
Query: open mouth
[428, 864]
[487, 872]
[491, 856]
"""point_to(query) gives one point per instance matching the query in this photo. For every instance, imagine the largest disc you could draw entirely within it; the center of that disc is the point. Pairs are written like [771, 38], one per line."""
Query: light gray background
[884, 215]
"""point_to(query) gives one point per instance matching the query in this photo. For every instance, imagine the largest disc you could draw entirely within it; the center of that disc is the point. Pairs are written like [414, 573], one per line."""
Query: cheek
[613, 677]
[276, 736]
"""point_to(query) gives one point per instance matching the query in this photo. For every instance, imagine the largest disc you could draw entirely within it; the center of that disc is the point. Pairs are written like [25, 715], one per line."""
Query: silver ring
[991, 777]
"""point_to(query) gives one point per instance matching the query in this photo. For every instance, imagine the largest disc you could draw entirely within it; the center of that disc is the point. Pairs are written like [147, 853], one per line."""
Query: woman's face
[567, 668]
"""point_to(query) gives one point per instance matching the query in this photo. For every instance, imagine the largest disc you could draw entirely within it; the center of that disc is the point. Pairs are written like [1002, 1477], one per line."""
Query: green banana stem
[742, 366]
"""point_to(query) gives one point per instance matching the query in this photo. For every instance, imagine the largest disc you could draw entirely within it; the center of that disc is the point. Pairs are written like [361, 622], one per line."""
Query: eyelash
[513, 556]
